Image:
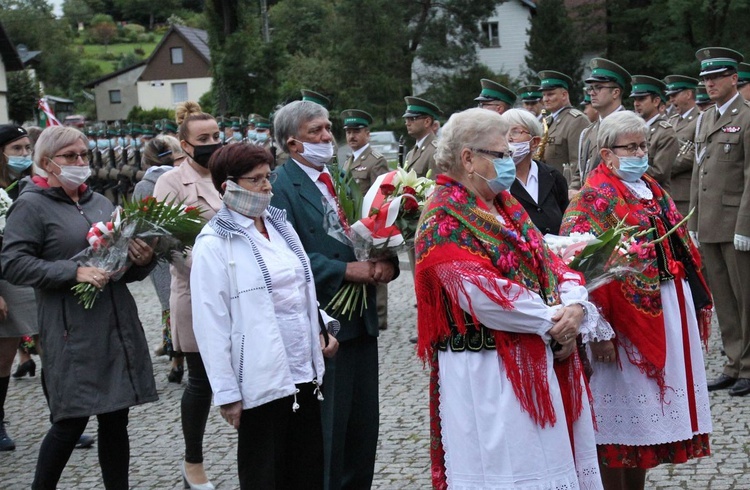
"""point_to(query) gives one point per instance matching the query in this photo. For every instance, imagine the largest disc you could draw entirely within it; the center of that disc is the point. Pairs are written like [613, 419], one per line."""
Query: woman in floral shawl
[494, 303]
[649, 384]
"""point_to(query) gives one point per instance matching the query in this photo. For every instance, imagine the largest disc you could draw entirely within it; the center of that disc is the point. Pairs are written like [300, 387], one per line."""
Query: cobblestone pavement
[403, 456]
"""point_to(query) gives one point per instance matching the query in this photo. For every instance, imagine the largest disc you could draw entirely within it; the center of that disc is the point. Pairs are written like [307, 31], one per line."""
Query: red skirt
[645, 457]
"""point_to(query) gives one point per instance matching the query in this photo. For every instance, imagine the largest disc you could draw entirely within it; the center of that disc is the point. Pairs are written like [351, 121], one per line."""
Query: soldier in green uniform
[681, 93]
[702, 100]
[564, 124]
[262, 132]
[647, 93]
[743, 80]
[495, 97]
[588, 109]
[419, 116]
[365, 165]
[606, 86]
[531, 99]
[720, 193]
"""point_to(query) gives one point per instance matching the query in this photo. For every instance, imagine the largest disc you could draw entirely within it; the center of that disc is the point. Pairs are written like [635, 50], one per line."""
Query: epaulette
[665, 124]
[377, 154]
[575, 113]
[673, 116]
[434, 142]
[747, 103]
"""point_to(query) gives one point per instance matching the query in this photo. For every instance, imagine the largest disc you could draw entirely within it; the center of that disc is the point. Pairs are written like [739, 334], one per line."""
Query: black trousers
[279, 448]
[195, 406]
[113, 446]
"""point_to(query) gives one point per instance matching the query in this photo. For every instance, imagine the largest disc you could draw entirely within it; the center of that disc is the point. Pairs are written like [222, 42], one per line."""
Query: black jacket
[553, 199]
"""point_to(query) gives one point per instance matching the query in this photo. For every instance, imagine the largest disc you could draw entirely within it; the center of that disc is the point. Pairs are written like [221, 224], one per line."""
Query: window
[176, 56]
[491, 34]
[179, 92]
[115, 97]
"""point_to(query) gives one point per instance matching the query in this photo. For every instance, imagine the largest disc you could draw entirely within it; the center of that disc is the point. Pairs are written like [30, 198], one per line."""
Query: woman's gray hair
[619, 124]
[472, 128]
[53, 139]
[523, 118]
[288, 119]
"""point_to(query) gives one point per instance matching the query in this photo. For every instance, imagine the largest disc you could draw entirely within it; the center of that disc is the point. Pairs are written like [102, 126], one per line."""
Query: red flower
[408, 190]
[446, 227]
[410, 204]
[110, 226]
[148, 199]
[387, 189]
[601, 204]
[458, 195]
[190, 209]
[145, 209]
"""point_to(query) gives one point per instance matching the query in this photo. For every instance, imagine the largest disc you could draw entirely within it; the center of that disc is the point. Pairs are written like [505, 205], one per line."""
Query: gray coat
[95, 361]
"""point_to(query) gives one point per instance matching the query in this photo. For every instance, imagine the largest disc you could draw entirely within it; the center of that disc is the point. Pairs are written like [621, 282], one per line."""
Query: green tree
[77, 12]
[553, 45]
[456, 91]
[146, 11]
[103, 30]
[23, 95]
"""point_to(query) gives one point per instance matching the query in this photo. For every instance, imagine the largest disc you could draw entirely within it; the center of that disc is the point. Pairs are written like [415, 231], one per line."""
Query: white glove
[694, 238]
[741, 243]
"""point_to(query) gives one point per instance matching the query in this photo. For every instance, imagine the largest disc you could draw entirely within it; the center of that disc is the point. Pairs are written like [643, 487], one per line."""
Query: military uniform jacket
[682, 168]
[366, 168]
[588, 153]
[720, 191]
[422, 158]
[662, 151]
[563, 137]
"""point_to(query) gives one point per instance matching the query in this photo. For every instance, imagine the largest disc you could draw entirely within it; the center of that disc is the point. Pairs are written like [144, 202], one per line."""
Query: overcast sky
[57, 6]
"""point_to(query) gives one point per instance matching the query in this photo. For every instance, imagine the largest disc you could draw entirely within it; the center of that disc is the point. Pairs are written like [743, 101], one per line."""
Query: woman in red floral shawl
[498, 318]
[649, 384]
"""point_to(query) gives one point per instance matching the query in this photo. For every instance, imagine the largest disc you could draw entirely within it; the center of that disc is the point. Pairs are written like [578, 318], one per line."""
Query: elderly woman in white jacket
[258, 326]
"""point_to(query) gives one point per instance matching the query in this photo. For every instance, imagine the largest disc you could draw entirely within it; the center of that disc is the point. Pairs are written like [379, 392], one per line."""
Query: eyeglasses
[716, 76]
[482, 105]
[632, 148]
[515, 133]
[595, 89]
[72, 158]
[414, 118]
[257, 181]
[496, 154]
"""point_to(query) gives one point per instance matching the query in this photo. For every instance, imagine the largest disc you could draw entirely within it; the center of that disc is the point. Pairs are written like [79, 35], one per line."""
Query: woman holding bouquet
[96, 361]
[498, 316]
[191, 184]
[266, 373]
[649, 384]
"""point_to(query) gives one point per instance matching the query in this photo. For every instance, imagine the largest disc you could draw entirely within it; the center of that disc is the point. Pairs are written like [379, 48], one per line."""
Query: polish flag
[50, 116]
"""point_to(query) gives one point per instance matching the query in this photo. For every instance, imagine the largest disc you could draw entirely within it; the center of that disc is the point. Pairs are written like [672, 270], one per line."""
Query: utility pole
[264, 19]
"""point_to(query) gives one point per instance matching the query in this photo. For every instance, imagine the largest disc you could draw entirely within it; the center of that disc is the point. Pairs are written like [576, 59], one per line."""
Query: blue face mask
[102, 144]
[505, 169]
[261, 137]
[632, 168]
[92, 144]
[222, 137]
[237, 136]
[137, 143]
[18, 164]
[252, 135]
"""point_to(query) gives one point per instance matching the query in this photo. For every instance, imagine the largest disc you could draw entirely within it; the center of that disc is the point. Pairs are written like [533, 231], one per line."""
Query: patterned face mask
[246, 202]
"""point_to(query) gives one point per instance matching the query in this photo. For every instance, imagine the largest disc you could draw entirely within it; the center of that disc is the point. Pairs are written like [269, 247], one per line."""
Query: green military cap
[111, 131]
[530, 93]
[553, 79]
[354, 118]
[643, 85]
[678, 83]
[148, 130]
[261, 122]
[743, 74]
[235, 122]
[701, 96]
[89, 131]
[135, 129]
[311, 96]
[170, 126]
[494, 91]
[221, 121]
[718, 60]
[253, 117]
[607, 71]
[586, 100]
[420, 107]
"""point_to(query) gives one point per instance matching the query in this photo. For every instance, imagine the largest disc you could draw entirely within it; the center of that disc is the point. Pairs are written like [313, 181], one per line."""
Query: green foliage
[207, 100]
[551, 27]
[139, 116]
[128, 60]
[23, 95]
[456, 91]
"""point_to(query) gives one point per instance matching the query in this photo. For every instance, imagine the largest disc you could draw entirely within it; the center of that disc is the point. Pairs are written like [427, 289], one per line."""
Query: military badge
[731, 129]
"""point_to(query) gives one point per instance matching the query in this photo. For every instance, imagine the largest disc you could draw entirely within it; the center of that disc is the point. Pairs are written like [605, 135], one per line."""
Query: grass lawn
[96, 53]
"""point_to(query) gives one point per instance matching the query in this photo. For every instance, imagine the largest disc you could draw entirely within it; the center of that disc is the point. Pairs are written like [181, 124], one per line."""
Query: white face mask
[317, 153]
[520, 150]
[72, 176]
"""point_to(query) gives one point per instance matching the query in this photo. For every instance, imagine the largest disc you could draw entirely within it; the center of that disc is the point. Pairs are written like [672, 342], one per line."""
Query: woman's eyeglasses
[632, 148]
[257, 181]
[72, 158]
[496, 154]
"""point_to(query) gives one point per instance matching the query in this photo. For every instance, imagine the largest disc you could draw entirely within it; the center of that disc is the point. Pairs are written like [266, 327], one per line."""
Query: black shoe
[175, 375]
[28, 367]
[413, 340]
[6, 443]
[383, 327]
[740, 388]
[721, 383]
[85, 441]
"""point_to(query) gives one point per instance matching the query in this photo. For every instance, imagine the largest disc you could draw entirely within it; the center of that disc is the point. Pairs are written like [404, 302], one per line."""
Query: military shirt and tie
[366, 167]
[662, 150]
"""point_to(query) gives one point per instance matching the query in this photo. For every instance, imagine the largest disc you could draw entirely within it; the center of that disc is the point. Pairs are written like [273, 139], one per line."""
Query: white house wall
[513, 19]
[3, 95]
[152, 94]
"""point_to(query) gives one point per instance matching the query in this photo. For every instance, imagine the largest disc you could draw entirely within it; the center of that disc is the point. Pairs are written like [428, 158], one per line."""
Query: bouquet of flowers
[612, 254]
[380, 225]
[176, 226]
[5, 204]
